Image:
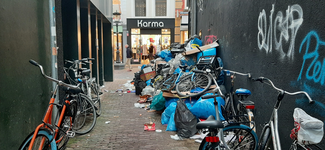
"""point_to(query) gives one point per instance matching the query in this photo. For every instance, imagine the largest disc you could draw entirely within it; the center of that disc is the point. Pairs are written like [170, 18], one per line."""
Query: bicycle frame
[273, 122]
[273, 125]
[47, 120]
[248, 108]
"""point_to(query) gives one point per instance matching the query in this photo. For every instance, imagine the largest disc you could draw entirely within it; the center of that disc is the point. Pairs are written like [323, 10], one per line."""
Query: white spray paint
[200, 5]
[282, 31]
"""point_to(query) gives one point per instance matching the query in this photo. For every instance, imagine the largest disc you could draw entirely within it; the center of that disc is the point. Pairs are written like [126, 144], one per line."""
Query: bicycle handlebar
[261, 79]
[82, 61]
[50, 78]
[235, 72]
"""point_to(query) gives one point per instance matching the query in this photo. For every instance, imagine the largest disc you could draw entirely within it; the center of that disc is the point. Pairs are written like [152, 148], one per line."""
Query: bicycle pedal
[70, 134]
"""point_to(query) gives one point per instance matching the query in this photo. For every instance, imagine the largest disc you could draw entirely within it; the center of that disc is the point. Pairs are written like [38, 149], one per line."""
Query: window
[165, 31]
[161, 7]
[140, 7]
[135, 31]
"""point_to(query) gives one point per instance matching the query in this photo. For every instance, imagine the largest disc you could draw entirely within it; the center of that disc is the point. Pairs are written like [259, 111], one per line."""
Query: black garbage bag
[185, 121]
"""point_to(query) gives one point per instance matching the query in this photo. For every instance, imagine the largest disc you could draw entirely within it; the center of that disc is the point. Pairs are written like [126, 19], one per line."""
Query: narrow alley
[121, 124]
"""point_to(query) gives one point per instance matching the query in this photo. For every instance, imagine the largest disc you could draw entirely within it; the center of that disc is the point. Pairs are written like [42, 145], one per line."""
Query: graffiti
[208, 39]
[316, 69]
[283, 30]
[200, 5]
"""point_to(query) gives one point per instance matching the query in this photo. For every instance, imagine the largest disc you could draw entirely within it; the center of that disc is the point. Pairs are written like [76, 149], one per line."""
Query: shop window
[140, 7]
[161, 7]
[135, 31]
[165, 31]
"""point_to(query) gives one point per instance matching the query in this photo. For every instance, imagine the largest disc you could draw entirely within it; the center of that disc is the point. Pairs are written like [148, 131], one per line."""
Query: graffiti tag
[316, 69]
[209, 39]
[282, 30]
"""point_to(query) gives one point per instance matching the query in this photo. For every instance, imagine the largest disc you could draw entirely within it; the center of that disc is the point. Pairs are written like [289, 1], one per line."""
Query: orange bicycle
[54, 132]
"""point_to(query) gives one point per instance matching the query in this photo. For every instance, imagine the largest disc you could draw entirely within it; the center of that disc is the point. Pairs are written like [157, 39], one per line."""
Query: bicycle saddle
[210, 123]
[244, 92]
[84, 71]
[70, 90]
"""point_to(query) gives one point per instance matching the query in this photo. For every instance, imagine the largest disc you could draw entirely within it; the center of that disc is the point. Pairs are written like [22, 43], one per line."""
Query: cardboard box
[147, 76]
[171, 94]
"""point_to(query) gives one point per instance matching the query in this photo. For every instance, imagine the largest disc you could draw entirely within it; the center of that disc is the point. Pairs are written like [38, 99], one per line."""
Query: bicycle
[242, 110]
[47, 135]
[270, 138]
[171, 81]
[233, 135]
[88, 85]
[199, 82]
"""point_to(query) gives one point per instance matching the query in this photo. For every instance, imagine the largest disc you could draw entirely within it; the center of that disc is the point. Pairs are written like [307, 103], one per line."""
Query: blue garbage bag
[196, 42]
[170, 100]
[171, 124]
[204, 108]
[165, 116]
[166, 55]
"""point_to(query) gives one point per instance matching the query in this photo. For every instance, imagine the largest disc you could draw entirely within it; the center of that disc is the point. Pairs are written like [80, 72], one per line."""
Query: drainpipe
[193, 17]
[53, 49]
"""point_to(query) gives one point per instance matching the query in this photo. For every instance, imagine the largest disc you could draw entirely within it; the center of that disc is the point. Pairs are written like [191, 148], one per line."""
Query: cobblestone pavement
[126, 127]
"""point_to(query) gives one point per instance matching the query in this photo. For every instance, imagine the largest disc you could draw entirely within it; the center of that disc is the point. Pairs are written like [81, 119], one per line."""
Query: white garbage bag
[310, 129]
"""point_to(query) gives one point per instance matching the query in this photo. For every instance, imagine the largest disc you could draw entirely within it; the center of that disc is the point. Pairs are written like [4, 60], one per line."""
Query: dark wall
[281, 40]
[25, 93]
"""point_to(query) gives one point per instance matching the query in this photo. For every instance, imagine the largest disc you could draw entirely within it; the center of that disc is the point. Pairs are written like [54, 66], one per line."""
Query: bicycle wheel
[193, 85]
[95, 97]
[230, 111]
[208, 145]
[266, 140]
[62, 138]
[169, 84]
[240, 137]
[158, 82]
[43, 141]
[237, 137]
[85, 119]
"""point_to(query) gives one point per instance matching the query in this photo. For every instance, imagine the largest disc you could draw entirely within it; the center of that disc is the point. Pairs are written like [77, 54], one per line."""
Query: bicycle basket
[205, 61]
[310, 129]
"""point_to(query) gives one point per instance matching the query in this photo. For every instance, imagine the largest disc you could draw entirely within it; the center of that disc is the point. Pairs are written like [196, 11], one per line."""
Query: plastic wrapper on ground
[148, 90]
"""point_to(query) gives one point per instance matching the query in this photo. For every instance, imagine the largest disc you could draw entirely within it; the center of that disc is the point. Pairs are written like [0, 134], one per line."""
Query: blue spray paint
[316, 69]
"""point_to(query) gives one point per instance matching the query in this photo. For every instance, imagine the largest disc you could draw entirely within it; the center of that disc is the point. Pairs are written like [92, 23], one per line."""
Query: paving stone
[126, 127]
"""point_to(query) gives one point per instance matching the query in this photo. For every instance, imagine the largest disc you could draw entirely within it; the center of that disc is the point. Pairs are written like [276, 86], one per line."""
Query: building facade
[146, 22]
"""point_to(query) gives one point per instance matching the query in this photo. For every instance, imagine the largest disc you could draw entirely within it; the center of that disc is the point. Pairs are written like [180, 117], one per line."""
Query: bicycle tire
[158, 82]
[266, 140]
[87, 110]
[185, 87]
[169, 83]
[230, 109]
[95, 97]
[62, 138]
[42, 133]
[237, 137]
